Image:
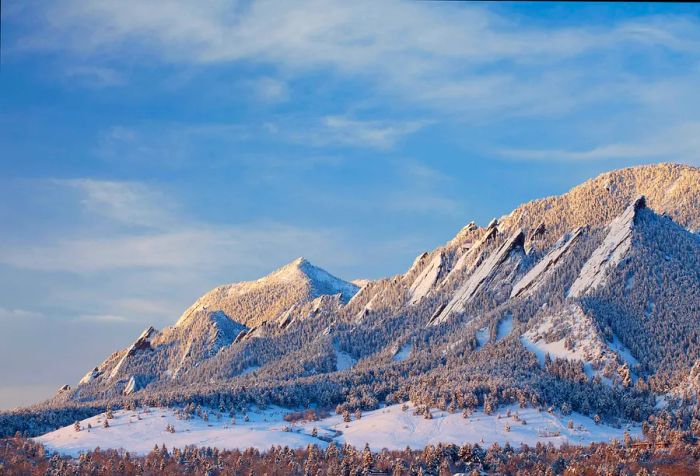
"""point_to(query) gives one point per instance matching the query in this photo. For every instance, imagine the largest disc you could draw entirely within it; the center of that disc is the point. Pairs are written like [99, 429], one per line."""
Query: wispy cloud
[346, 131]
[194, 246]
[140, 264]
[18, 314]
[105, 318]
[171, 144]
[94, 76]
[456, 57]
[681, 143]
[270, 89]
[128, 203]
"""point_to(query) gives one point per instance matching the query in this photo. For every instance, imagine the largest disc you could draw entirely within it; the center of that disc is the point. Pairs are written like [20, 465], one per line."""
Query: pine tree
[366, 457]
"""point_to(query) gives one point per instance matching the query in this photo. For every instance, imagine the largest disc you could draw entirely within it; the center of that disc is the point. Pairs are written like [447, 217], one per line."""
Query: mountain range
[587, 301]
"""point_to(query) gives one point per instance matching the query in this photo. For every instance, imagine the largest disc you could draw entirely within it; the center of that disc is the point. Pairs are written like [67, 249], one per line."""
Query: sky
[150, 151]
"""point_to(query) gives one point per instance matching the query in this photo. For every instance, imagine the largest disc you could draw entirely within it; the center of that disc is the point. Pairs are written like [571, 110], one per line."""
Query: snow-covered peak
[301, 269]
[254, 302]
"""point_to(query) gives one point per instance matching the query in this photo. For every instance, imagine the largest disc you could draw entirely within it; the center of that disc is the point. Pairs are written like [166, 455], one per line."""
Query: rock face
[484, 272]
[136, 383]
[426, 280]
[473, 252]
[90, 376]
[538, 273]
[613, 249]
[141, 344]
[199, 336]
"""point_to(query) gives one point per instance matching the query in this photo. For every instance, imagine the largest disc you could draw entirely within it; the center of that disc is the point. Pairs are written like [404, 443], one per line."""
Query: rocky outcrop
[487, 269]
[609, 254]
[90, 376]
[537, 275]
[135, 383]
[425, 281]
[141, 344]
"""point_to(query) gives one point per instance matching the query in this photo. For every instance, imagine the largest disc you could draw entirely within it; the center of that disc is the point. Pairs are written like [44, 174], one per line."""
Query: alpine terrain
[585, 304]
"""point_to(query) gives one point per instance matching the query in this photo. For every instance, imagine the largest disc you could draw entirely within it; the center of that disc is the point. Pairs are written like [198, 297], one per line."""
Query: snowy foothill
[392, 427]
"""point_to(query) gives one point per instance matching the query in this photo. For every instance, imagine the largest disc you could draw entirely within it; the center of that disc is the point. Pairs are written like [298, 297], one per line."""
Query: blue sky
[150, 151]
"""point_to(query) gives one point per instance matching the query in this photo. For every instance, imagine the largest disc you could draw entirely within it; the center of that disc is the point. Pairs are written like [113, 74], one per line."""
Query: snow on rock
[480, 275]
[536, 276]
[136, 383]
[425, 281]
[286, 317]
[301, 311]
[361, 282]
[470, 256]
[364, 312]
[142, 343]
[609, 254]
[198, 336]
[388, 427]
[90, 376]
[417, 262]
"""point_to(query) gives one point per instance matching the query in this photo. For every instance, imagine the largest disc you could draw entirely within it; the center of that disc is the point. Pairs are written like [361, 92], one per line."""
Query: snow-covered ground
[387, 427]
[482, 337]
[404, 352]
[505, 327]
[343, 360]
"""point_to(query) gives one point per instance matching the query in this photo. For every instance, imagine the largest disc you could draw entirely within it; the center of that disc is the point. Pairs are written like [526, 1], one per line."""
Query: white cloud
[345, 131]
[456, 57]
[129, 203]
[195, 246]
[18, 314]
[105, 318]
[271, 90]
[681, 143]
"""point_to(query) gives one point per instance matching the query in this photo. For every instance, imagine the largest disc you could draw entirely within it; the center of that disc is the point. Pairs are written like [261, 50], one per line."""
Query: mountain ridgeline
[588, 301]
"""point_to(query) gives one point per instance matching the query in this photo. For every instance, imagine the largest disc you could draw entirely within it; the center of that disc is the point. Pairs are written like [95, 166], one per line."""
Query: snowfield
[389, 427]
